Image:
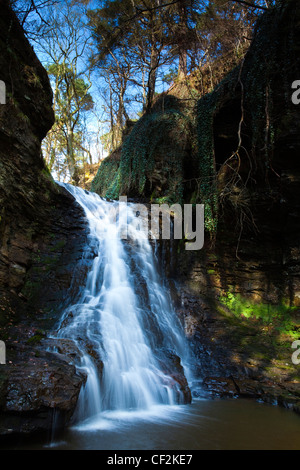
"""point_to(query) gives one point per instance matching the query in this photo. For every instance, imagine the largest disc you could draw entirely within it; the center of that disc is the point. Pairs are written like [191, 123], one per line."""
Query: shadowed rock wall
[42, 234]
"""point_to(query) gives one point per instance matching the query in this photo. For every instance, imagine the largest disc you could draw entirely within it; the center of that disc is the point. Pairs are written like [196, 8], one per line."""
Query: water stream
[124, 324]
[130, 339]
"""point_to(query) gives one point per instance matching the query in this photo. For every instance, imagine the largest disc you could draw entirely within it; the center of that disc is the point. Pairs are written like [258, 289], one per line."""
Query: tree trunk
[182, 67]
[70, 151]
[152, 78]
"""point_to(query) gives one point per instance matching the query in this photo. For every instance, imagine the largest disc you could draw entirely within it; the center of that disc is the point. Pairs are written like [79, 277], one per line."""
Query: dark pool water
[203, 425]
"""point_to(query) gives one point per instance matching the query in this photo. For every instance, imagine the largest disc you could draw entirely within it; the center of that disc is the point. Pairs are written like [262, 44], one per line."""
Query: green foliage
[170, 76]
[64, 144]
[165, 131]
[150, 139]
[106, 180]
[72, 92]
[36, 338]
[154, 150]
[23, 117]
[255, 83]
[278, 316]
[207, 191]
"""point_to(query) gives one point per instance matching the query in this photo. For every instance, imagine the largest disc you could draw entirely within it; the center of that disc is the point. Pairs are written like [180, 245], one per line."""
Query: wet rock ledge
[236, 359]
[39, 391]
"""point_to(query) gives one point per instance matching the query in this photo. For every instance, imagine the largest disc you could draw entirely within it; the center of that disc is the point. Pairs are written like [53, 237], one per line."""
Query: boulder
[172, 367]
[38, 390]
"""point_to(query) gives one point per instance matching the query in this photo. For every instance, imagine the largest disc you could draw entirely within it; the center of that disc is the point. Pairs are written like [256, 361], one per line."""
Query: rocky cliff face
[255, 251]
[42, 232]
[236, 152]
[251, 147]
[239, 157]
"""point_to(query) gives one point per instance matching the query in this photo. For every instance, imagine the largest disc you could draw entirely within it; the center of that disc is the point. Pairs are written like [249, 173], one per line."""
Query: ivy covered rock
[235, 150]
[230, 148]
[248, 128]
[248, 132]
[155, 158]
[240, 158]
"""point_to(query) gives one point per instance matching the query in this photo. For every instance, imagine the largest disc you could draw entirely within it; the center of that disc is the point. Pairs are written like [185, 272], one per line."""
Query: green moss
[278, 317]
[256, 83]
[30, 289]
[156, 137]
[36, 338]
[211, 271]
[12, 100]
[23, 117]
[106, 179]
[207, 191]
[156, 146]
[153, 151]
[58, 246]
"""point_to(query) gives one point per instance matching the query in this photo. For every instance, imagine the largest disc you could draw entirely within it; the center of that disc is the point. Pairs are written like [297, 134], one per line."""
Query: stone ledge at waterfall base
[38, 389]
[286, 395]
[236, 359]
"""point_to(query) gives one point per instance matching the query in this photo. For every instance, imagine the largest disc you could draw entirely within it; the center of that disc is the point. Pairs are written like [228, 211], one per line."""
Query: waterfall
[123, 324]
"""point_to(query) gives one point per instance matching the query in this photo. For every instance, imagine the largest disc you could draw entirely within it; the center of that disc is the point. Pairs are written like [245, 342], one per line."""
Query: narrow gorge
[97, 328]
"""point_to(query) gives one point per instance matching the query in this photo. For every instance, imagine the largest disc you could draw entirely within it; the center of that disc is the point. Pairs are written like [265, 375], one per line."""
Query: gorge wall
[236, 150]
[42, 232]
[253, 146]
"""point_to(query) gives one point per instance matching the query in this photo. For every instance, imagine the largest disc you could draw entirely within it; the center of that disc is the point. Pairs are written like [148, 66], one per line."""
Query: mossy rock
[150, 162]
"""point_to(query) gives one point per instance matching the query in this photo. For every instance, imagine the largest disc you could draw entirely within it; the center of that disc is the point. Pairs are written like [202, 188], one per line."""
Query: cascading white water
[124, 319]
